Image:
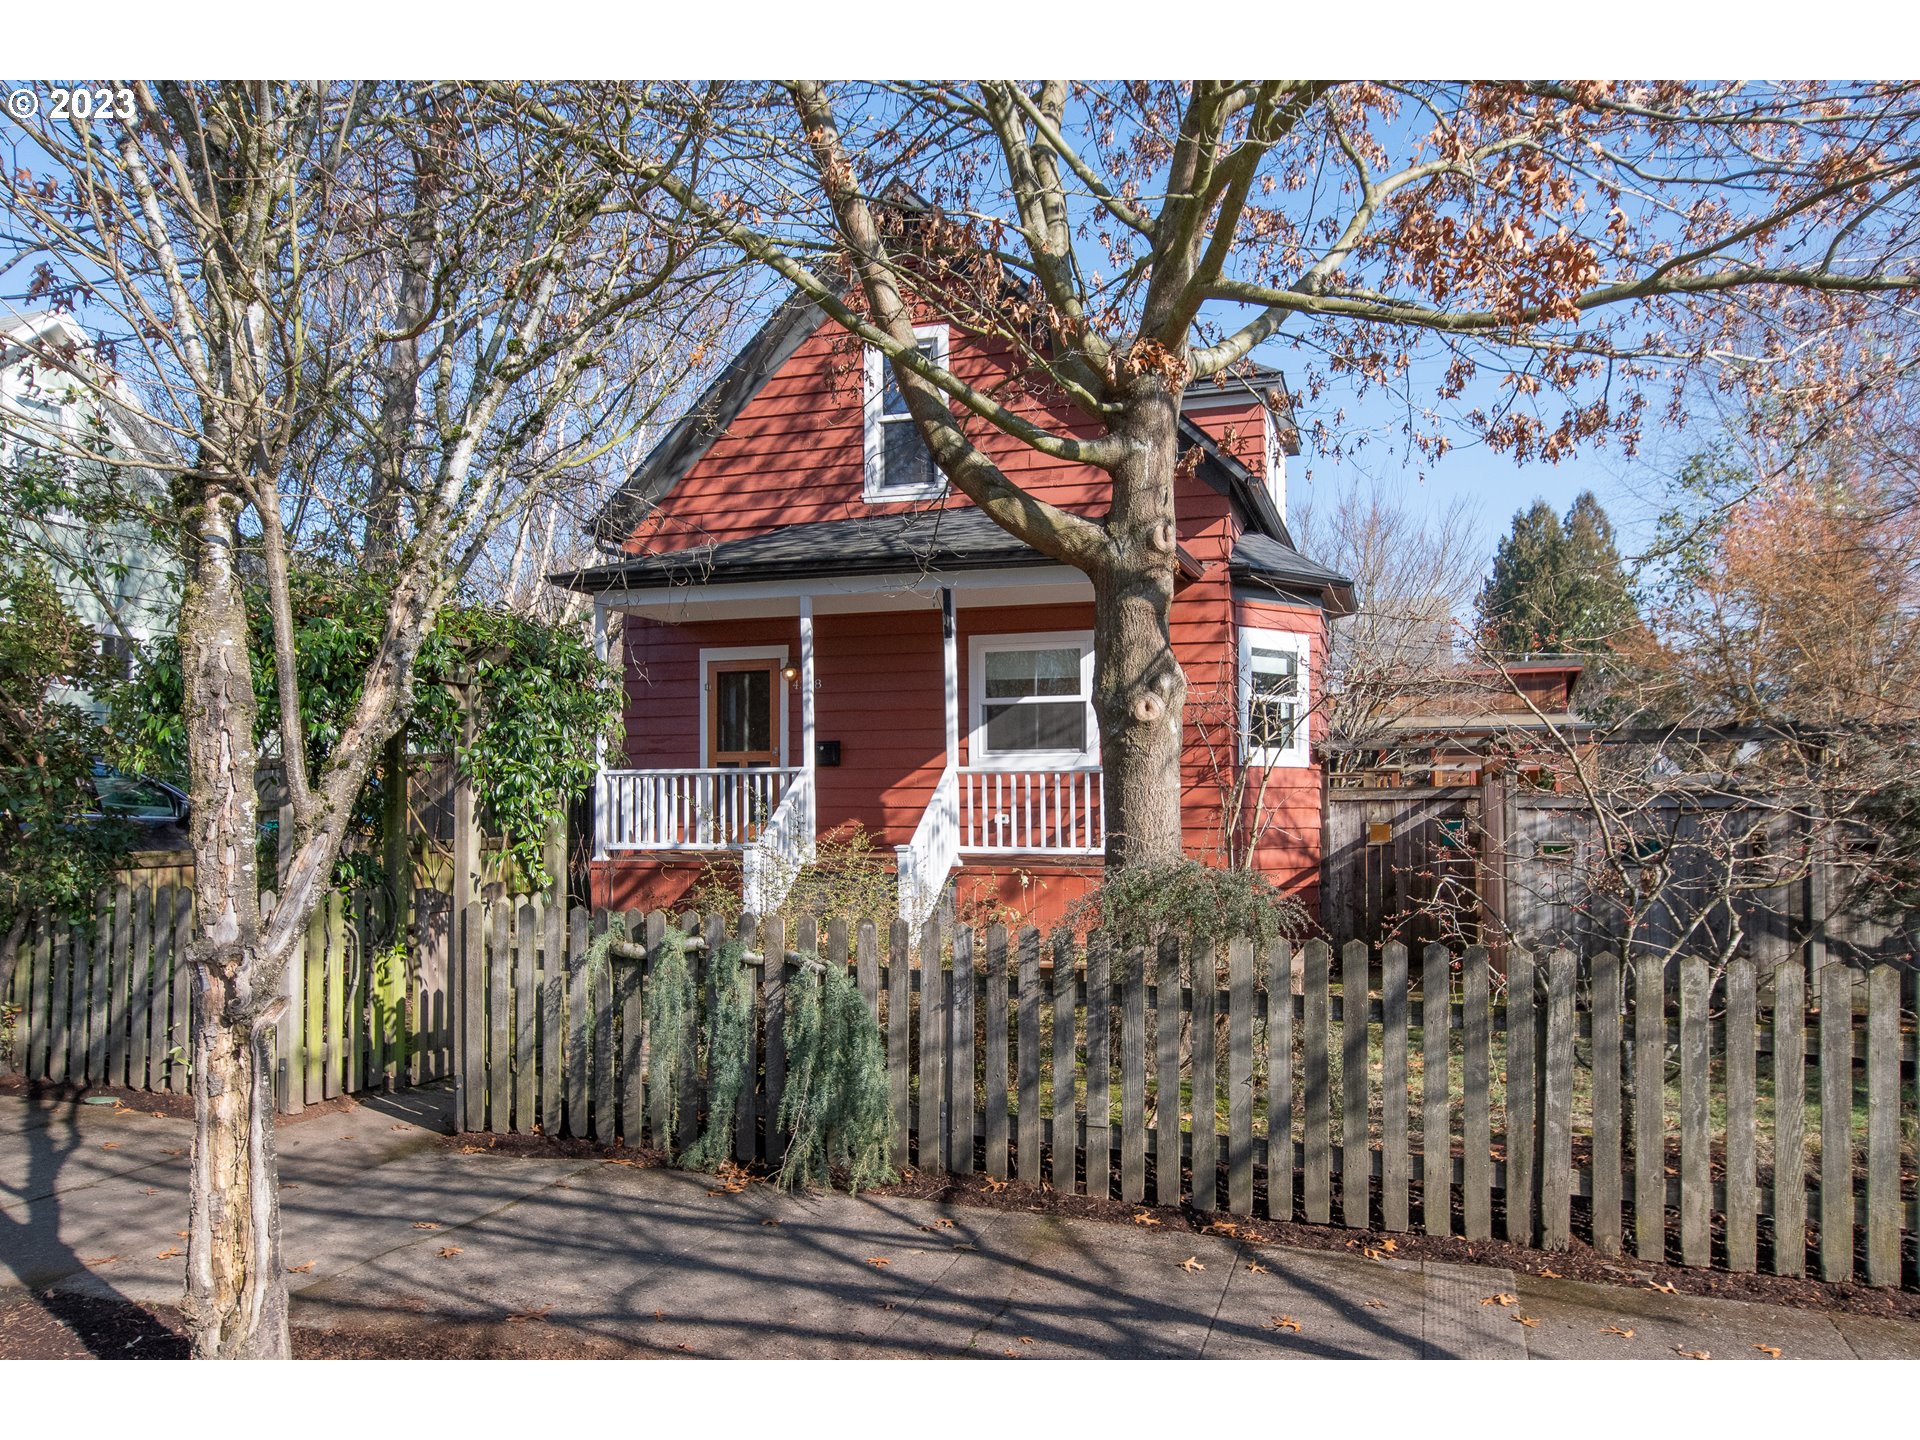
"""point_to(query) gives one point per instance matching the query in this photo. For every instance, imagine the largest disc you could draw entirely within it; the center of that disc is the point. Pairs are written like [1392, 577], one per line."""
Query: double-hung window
[1273, 698]
[898, 464]
[1033, 700]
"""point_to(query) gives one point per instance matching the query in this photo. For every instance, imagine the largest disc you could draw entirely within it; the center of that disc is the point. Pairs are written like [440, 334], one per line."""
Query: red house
[816, 632]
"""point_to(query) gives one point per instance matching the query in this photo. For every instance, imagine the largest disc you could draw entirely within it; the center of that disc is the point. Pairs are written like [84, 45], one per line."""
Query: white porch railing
[1031, 812]
[691, 809]
[775, 855]
[924, 863]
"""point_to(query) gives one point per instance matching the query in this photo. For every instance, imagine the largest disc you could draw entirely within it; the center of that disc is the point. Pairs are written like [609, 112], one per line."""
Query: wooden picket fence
[1516, 1106]
[103, 1003]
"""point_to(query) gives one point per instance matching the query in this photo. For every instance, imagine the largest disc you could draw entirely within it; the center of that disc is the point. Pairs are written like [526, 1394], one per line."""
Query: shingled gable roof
[929, 542]
[775, 342]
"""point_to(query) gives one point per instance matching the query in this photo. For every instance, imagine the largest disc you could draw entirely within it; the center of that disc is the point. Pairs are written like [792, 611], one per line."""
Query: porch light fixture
[790, 674]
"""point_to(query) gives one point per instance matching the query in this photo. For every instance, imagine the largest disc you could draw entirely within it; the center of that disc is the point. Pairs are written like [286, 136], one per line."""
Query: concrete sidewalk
[617, 1259]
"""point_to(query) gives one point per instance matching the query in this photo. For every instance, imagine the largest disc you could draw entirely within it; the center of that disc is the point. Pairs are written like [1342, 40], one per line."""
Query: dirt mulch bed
[53, 1325]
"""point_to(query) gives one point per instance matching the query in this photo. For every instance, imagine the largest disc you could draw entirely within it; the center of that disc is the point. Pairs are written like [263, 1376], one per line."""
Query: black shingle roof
[931, 541]
[1261, 558]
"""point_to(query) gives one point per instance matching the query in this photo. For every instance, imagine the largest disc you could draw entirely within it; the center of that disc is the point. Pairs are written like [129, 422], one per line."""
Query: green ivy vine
[542, 700]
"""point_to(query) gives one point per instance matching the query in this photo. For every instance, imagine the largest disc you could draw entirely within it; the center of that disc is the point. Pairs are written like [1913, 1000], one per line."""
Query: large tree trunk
[236, 1301]
[1140, 691]
[236, 1285]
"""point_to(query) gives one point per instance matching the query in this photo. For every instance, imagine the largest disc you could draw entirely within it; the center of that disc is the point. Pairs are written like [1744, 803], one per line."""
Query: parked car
[156, 809]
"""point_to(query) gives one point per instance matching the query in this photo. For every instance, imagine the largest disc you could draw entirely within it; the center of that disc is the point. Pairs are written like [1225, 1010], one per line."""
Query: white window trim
[744, 652]
[873, 491]
[1298, 752]
[978, 647]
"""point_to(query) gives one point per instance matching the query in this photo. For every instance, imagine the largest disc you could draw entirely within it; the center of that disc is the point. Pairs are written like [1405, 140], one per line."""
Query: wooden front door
[743, 713]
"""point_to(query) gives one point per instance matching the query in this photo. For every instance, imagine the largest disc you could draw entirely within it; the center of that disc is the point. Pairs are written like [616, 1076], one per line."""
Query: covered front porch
[945, 710]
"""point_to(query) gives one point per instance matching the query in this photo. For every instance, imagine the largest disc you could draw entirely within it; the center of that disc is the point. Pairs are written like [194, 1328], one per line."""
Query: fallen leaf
[683, 1345]
[1254, 1267]
[301, 1269]
[101, 1260]
[1191, 1264]
[1008, 1355]
[447, 1252]
[1026, 1340]
[181, 1233]
[426, 1224]
[526, 1315]
[1547, 1272]
[110, 1145]
[877, 1262]
[769, 1221]
[1772, 1352]
[180, 1152]
[1143, 1218]
[659, 1314]
[1222, 1227]
[1372, 1254]
[174, 1251]
[1389, 1246]
[1693, 1354]
[1505, 1297]
[159, 1114]
[1626, 1334]
[1527, 1320]
[994, 1186]
[401, 1126]
[1663, 1289]
[149, 1191]
[1376, 1304]
[1282, 1322]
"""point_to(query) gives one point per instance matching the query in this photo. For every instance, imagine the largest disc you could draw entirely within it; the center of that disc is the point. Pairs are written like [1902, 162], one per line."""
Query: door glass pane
[746, 706]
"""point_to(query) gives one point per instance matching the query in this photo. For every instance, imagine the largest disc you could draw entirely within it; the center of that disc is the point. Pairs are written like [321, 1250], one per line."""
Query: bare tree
[354, 312]
[1561, 246]
[1416, 571]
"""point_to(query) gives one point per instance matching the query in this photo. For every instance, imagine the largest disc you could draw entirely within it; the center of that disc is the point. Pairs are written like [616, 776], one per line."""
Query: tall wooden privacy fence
[1732, 1119]
[103, 1002]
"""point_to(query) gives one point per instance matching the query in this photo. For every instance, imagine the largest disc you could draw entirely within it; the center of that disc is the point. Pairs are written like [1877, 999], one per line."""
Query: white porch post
[807, 748]
[600, 746]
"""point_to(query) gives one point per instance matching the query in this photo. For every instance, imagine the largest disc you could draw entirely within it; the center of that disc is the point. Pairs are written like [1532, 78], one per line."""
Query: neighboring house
[1481, 714]
[816, 633]
[116, 577]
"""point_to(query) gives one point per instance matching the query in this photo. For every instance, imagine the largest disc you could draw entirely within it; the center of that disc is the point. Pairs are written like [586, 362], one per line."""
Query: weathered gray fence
[1726, 1119]
[1487, 863]
[103, 1002]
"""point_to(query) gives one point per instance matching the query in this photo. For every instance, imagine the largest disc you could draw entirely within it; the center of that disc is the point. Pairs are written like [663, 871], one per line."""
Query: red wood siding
[794, 455]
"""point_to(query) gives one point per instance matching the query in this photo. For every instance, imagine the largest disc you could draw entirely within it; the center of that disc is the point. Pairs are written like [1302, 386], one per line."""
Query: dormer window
[1276, 458]
[899, 465]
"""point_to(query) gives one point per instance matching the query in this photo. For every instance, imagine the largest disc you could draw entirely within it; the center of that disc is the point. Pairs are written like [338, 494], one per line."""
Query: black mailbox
[826, 752]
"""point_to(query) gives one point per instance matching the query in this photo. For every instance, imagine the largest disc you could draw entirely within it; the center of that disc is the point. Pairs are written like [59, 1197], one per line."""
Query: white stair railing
[773, 858]
[925, 862]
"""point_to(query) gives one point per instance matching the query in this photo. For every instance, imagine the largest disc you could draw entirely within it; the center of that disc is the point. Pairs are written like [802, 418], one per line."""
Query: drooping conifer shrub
[835, 1104]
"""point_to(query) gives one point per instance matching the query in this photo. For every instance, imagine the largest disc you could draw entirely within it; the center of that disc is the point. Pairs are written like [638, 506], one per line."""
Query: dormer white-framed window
[1276, 458]
[1273, 698]
[1032, 701]
[898, 464]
